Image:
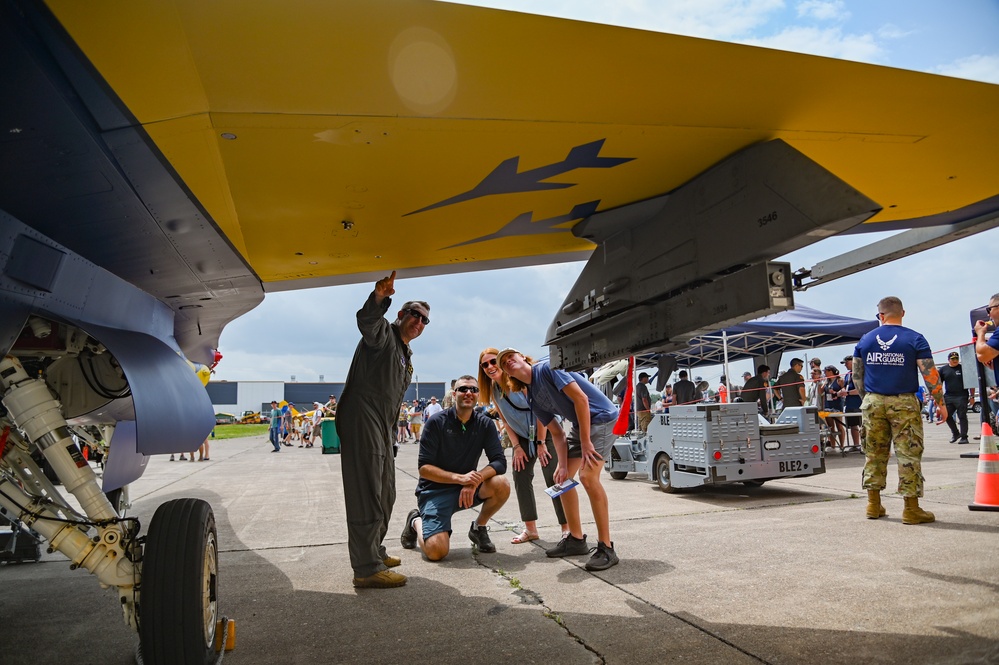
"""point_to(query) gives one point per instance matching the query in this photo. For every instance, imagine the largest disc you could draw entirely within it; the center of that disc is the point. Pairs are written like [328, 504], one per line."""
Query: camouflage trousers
[893, 419]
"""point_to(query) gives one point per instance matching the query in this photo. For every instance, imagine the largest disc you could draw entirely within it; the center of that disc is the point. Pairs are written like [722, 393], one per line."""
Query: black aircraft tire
[662, 474]
[178, 599]
[619, 475]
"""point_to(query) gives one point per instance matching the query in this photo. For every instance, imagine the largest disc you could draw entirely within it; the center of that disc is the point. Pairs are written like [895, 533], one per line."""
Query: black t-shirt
[643, 397]
[790, 383]
[755, 391]
[953, 381]
[684, 390]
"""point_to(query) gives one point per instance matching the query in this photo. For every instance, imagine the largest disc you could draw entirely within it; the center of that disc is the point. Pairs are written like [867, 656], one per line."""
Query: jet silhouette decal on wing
[505, 179]
[521, 225]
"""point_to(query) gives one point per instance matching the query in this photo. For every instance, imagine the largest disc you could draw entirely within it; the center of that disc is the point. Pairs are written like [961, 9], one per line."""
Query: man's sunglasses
[467, 389]
[989, 308]
[416, 315]
[487, 363]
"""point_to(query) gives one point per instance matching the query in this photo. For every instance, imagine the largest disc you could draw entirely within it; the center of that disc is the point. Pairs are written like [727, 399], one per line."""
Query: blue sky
[308, 334]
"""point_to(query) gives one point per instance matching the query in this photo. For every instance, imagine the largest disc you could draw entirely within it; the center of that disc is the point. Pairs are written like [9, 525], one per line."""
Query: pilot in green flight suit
[376, 384]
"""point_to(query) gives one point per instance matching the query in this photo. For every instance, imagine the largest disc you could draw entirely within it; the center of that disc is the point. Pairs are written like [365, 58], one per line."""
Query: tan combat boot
[913, 514]
[874, 507]
[383, 579]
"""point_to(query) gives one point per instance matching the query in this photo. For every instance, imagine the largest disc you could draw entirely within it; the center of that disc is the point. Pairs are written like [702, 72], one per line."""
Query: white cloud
[976, 68]
[744, 21]
[711, 19]
[892, 31]
[823, 11]
[829, 42]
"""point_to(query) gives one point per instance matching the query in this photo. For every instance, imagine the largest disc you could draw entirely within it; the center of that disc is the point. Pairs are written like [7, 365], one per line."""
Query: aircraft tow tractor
[715, 444]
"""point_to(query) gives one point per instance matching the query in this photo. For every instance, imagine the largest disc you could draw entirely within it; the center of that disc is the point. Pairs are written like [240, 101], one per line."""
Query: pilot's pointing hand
[385, 287]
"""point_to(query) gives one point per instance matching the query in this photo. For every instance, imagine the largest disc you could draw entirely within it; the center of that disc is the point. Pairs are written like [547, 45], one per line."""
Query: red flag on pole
[621, 426]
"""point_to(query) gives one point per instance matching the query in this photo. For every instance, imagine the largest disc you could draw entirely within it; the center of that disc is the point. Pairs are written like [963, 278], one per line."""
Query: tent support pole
[728, 377]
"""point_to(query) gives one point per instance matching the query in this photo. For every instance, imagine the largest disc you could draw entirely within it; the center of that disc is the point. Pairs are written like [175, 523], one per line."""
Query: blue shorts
[437, 505]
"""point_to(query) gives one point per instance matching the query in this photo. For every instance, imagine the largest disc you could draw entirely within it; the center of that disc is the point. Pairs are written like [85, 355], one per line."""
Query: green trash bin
[331, 440]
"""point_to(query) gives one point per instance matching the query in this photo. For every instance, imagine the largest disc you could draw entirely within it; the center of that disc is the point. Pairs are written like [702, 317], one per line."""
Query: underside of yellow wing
[334, 141]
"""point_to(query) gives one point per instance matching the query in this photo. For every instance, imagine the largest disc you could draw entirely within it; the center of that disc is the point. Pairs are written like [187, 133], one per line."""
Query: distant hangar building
[235, 397]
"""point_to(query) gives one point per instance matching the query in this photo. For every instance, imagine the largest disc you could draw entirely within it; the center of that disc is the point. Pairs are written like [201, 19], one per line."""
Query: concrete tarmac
[790, 572]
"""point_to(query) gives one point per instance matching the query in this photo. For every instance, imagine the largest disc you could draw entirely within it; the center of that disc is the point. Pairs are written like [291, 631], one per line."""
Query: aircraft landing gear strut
[168, 587]
[109, 555]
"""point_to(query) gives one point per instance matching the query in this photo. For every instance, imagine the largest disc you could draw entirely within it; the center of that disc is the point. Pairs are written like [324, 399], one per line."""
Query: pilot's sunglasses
[491, 361]
[467, 389]
[416, 315]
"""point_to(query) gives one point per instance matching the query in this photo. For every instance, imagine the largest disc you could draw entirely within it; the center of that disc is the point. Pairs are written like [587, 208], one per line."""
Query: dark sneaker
[954, 439]
[479, 535]
[603, 558]
[408, 537]
[569, 546]
[963, 439]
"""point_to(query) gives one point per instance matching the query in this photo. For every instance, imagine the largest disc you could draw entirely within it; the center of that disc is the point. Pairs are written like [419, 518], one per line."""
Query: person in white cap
[432, 409]
[317, 421]
[555, 392]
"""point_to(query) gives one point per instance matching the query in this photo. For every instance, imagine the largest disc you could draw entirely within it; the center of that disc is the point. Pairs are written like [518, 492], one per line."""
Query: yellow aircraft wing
[332, 142]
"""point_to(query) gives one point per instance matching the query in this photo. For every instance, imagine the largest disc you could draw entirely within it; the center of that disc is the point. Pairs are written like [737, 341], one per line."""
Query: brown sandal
[524, 537]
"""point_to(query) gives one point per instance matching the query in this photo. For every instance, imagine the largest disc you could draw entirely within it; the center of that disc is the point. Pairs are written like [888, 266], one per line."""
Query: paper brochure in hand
[560, 488]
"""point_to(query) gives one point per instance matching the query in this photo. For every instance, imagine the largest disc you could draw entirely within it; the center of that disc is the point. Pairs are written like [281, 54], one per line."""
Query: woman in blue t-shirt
[555, 392]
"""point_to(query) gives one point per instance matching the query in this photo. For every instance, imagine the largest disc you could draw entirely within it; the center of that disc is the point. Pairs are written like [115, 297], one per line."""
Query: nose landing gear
[179, 594]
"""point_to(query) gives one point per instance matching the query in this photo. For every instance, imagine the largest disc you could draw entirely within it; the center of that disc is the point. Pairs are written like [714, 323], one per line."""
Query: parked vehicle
[224, 419]
[714, 444]
[252, 418]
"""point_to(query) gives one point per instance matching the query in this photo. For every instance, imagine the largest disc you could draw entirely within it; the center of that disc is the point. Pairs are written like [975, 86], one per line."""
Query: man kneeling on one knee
[450, 449]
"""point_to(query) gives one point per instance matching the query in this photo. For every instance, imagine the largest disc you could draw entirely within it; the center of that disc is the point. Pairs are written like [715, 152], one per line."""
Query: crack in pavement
[530, 597]
[549, 613]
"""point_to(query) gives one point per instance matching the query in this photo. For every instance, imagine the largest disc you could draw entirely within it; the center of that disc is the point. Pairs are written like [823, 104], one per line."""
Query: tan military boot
[913, 514]
[383, 579]
[874, 507]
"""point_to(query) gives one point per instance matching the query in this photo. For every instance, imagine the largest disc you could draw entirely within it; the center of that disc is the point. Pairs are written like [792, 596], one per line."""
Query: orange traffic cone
[987, 486]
